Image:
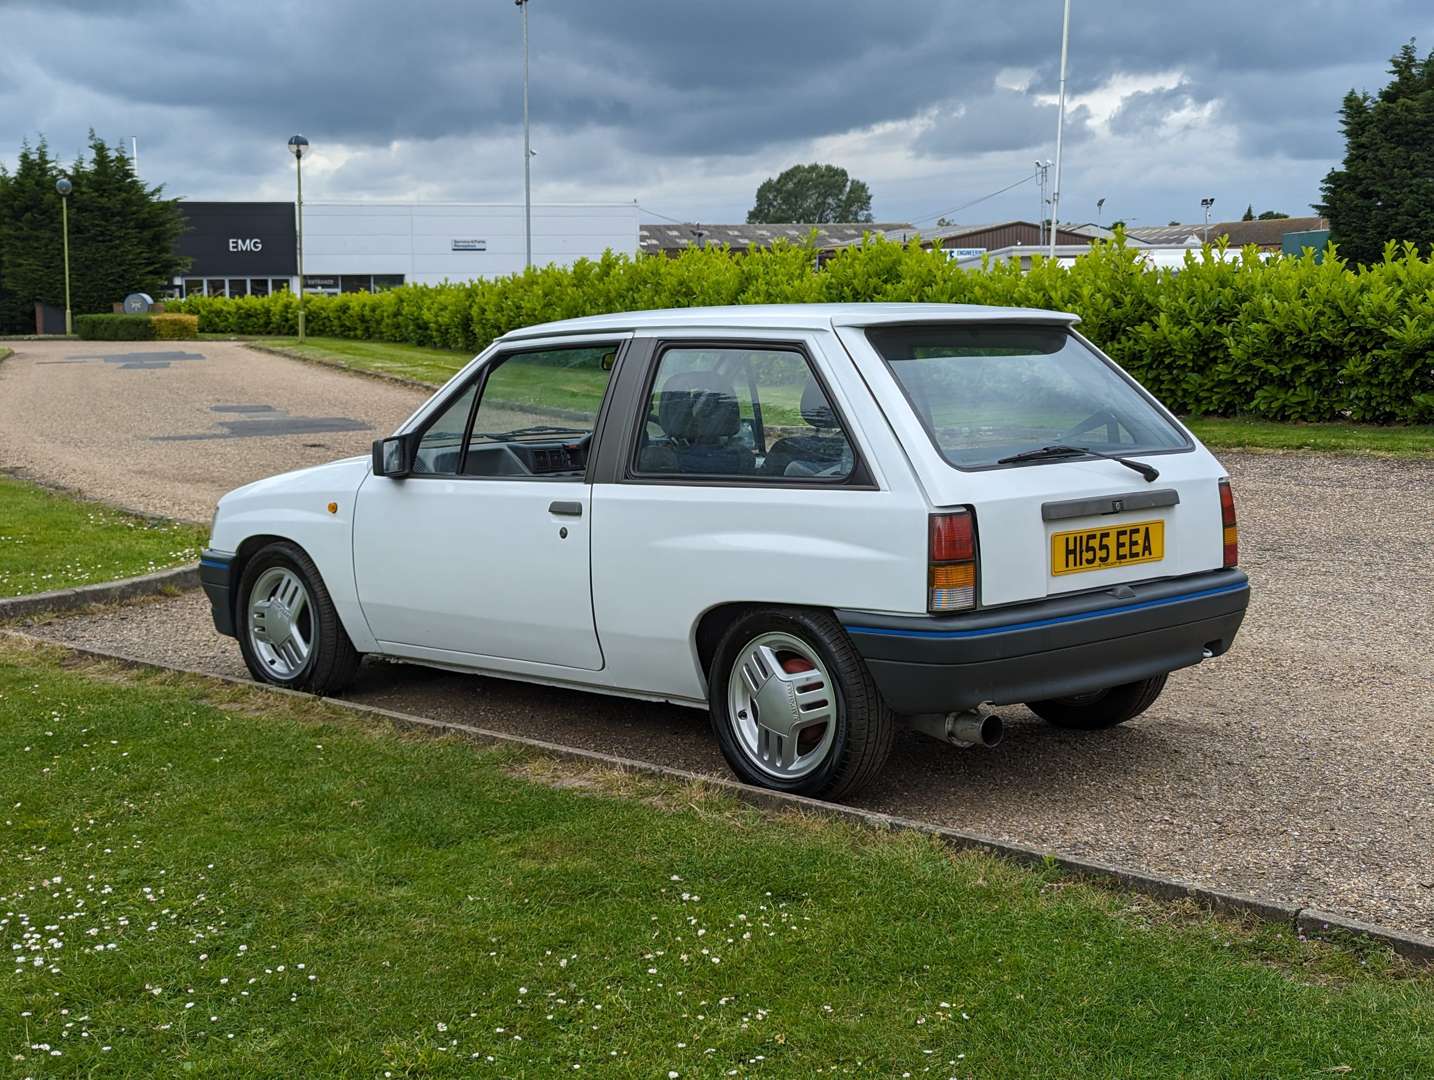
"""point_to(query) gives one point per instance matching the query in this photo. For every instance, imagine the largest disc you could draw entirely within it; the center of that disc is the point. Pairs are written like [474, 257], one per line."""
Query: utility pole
[1043, 169]
[527, 152]
[1060, 128]
[1205, 205]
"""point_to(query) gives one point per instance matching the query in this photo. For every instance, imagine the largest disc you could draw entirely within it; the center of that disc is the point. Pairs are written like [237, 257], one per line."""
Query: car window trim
[859, 479]
[500, 356]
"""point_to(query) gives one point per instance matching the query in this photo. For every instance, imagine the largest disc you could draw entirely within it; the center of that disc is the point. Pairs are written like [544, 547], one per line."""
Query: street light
[527, 151]
[1205, 205]
[64, 187]
[299, 146]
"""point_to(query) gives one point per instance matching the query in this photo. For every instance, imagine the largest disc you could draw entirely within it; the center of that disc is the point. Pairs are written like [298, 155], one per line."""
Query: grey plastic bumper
[1052, 648]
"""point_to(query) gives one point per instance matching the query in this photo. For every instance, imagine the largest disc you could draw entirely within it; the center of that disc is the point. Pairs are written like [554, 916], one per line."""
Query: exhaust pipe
[964, 729]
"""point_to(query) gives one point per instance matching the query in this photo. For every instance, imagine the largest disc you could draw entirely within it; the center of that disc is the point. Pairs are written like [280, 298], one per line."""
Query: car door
[747, 475]
[481, 553]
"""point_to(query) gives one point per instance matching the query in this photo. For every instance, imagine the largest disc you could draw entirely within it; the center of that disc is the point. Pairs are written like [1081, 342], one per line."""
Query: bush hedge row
[166, 327]
[1288, 339]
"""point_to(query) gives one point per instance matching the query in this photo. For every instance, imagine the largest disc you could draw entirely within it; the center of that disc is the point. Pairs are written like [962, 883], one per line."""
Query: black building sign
[236, 239]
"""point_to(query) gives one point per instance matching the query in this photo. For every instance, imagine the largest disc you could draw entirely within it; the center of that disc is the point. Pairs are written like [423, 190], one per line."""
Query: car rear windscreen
[987, 392]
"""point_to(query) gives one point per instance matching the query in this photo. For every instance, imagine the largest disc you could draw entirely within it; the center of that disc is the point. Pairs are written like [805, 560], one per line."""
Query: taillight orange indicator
[951, 571]
[1229, 525]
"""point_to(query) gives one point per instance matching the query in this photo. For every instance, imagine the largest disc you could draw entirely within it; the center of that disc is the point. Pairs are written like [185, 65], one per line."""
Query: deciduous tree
[811, 193]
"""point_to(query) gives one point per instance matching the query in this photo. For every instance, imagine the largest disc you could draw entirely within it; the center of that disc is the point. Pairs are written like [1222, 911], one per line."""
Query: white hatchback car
[816, 522]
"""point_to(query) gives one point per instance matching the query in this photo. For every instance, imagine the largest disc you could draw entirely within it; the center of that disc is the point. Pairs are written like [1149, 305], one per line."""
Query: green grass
[202, 878]
[1241, 434]
[433, 367]
[53, 541]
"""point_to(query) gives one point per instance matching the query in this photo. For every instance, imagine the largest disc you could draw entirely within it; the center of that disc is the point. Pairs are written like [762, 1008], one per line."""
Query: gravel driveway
[168, 427]
[1299, 767]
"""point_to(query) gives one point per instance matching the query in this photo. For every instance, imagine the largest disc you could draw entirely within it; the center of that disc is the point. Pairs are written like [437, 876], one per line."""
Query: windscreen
[988, 392]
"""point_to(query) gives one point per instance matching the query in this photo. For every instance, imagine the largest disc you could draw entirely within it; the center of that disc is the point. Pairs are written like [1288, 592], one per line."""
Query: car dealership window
[730, 413]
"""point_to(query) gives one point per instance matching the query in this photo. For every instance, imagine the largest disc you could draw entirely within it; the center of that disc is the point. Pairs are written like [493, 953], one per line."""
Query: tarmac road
[1298, 767]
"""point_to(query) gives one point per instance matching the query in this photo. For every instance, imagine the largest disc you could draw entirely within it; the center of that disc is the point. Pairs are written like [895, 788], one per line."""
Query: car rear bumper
[215, 574]
[1051, 648]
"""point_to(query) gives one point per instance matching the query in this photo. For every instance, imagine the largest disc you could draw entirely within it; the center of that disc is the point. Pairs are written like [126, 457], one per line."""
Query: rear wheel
[1102, 708]
[793, 706]
[289, 631]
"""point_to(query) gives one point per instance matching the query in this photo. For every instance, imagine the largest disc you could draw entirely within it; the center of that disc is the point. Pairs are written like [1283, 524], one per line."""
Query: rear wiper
[537, 429]
[1150, 472]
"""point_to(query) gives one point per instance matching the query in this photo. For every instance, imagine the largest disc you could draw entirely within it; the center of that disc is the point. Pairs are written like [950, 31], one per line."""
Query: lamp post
[64, 187]
[1060, 129]
[527, 151]
[1205, 205]
[298, 146]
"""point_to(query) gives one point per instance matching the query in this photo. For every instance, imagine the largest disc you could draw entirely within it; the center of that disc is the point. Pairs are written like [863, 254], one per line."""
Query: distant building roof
[668, 239]
[997, 234]
[1265, 234]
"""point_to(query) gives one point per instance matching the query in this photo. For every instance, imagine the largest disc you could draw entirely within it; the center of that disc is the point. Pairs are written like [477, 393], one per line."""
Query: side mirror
[393, 457]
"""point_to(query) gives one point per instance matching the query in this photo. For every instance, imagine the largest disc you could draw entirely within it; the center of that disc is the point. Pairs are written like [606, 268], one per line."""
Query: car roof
[790, 317]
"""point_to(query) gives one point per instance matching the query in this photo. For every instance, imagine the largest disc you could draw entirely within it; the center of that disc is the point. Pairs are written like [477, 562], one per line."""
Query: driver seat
[824, 448]
[700, 414]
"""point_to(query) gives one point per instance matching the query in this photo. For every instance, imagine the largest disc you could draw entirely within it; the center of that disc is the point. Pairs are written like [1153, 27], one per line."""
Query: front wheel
[289, 631]
[1101, 709]
[793, 706]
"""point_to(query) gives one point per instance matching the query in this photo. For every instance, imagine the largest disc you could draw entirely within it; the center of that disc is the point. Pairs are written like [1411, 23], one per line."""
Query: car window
[984, 392]
[535, 417]
[442, 444]
[741, 413]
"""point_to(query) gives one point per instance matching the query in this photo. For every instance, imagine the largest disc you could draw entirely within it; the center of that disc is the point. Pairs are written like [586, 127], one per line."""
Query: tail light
[951, 573]
[1227, 521]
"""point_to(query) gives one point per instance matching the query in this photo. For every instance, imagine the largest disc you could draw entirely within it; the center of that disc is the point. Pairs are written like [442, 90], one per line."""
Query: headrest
[699, 407]
[816, 410]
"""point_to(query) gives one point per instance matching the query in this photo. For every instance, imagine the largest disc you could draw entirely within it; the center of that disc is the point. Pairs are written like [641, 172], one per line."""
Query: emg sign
[239, 239]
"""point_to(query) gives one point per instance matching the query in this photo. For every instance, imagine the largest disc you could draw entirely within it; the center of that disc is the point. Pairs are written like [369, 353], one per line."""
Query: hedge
[113, 327]
[1288, 339]
[174, 327]
[165, 327]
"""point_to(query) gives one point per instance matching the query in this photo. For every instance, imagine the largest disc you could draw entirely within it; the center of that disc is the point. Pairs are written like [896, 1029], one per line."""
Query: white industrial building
[251, 249]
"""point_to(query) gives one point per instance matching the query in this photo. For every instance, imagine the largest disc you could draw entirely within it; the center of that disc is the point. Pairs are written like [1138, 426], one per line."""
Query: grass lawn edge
[1409, 951]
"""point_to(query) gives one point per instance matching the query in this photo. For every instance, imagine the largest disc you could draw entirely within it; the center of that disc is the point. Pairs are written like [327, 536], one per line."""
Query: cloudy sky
[687, 105]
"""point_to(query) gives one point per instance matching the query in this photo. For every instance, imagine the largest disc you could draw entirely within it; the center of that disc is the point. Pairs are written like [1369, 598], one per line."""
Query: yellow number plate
[1114, 545]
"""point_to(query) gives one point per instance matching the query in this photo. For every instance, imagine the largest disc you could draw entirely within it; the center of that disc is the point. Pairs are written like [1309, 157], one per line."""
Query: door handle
[566, 509]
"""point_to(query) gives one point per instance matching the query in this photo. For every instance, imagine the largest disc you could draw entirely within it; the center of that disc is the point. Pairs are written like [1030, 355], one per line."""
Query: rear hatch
[968, 397]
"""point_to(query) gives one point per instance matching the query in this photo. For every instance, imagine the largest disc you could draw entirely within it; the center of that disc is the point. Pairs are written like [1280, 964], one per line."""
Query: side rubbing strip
[1109, 504]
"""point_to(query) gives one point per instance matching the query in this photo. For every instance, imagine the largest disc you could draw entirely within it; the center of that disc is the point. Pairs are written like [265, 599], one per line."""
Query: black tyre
[288, 629]
[1101, 709]
[826, 731]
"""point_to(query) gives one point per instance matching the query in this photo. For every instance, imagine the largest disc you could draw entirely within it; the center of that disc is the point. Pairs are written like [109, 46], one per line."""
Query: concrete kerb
[107, 592]
[1309, 922]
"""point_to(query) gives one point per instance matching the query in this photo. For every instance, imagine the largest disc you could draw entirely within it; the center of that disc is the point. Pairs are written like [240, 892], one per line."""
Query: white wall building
[249, 249]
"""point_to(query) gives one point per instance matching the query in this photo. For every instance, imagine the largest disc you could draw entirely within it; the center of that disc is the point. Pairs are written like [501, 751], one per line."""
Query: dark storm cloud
[631, 87]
